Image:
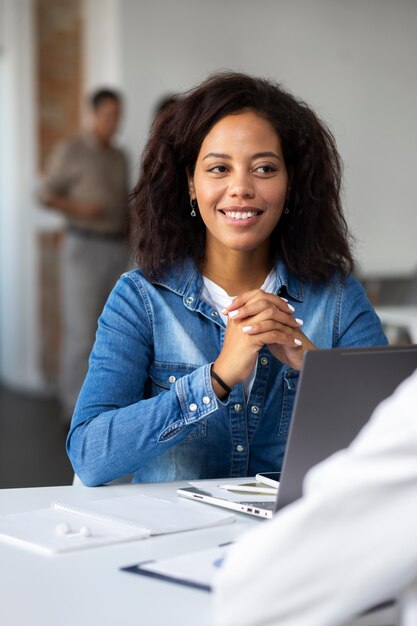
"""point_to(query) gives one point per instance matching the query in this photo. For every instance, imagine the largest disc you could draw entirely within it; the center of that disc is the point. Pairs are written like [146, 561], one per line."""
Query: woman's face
[240, 182]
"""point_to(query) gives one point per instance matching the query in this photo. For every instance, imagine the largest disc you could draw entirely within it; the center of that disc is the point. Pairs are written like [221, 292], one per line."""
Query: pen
[267, 491]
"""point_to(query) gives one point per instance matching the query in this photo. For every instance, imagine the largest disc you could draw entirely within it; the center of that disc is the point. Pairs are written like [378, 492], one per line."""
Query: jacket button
[237, 407]
[255, 409]
[193, 407]
[206, 400]
[189, 300]
[214, 314]
[264, 360]
[240, 448]
[172, 379]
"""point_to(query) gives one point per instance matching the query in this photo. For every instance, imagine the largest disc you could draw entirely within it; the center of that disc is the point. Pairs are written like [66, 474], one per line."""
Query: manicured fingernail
[285, 299]
[297, 342]
[291, 308]
[224, 311]
[300, 322]
[246, 329]
[233, 313]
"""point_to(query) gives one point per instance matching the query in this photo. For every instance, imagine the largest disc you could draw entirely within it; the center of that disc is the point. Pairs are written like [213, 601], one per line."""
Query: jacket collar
[285, 280]
[185, 280]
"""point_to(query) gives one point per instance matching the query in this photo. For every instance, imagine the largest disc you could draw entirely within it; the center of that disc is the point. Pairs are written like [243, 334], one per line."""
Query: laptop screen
[337, 392]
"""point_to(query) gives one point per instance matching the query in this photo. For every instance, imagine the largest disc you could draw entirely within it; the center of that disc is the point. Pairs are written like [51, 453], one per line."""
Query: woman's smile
[240, 213]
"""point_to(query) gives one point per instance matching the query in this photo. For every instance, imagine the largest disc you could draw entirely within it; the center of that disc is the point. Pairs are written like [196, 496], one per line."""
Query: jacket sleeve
[115, 428]
[357, 323]
[346, 545]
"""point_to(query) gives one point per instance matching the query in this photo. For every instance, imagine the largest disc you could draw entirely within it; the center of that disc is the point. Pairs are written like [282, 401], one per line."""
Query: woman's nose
[241, 185]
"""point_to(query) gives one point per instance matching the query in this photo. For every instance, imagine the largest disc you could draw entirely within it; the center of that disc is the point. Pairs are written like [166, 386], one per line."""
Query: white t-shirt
[217, 297]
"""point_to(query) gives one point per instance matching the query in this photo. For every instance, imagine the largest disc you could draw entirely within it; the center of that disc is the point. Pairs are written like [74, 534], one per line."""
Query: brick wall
[59, 65]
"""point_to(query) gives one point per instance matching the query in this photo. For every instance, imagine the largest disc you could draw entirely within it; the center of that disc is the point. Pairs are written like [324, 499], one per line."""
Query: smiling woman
[244, 264]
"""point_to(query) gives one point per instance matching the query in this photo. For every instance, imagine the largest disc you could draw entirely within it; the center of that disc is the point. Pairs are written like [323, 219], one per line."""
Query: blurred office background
[353, 60]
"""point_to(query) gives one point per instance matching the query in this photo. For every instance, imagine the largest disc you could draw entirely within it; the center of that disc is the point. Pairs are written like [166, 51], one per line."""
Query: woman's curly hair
[312, 240]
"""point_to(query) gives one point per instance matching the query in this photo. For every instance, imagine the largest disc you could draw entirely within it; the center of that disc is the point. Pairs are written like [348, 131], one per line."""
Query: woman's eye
[265, 169]
[218, 169]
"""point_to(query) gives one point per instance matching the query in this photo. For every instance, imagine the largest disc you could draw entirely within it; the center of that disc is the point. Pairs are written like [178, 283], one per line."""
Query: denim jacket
[147, 405]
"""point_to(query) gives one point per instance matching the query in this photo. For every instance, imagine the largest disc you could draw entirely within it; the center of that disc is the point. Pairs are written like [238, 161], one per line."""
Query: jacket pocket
[164, 375]
[289, 388]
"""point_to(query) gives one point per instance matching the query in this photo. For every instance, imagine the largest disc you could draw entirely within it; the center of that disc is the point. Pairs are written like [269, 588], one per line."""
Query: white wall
[353, 60]
[19, 334]
[102, 45]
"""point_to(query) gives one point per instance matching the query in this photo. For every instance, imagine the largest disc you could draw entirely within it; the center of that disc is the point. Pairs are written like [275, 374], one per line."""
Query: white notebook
[66, 527]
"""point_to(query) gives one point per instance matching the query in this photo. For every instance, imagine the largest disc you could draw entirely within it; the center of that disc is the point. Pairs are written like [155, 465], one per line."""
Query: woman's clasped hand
[256, 319]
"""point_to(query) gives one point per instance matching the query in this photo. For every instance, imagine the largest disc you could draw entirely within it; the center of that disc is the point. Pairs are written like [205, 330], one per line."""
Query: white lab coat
[349, 543]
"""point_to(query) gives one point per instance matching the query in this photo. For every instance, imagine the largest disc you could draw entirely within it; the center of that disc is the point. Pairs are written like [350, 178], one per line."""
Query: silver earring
[286, 208]
[193, 204]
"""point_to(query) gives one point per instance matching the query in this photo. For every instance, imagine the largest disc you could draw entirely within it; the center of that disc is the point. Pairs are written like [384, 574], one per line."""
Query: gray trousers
[89, 269]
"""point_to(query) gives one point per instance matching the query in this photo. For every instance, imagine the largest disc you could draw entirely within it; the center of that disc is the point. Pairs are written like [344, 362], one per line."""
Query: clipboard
[192, 569]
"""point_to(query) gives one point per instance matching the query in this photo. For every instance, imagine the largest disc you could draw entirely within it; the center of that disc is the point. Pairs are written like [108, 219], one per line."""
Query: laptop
[337, 392]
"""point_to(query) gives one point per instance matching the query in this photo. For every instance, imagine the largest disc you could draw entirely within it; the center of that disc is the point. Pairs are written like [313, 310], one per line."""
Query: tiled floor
[32, 442]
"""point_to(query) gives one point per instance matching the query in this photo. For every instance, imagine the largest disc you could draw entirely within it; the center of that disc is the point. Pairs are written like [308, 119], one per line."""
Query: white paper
[195, 567]
[160, 516]
[110, 520]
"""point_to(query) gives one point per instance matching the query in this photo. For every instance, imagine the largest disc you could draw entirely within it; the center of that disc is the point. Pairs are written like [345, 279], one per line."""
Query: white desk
[86, 588]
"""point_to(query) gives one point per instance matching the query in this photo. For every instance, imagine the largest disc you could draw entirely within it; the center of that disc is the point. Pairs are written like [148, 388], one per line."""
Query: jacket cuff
[196, 395]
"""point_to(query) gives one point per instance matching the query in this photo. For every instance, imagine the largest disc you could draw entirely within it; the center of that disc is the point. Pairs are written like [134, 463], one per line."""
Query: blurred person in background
[87, 181]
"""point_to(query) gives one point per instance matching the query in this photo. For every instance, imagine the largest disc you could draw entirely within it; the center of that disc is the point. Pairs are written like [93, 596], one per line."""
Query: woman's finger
[269, 332]
[255, 307]
[261, 310]
[258, 295]
[271, 313]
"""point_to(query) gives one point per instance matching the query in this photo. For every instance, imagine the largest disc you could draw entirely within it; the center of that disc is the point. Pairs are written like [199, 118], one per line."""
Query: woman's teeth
[240, 215]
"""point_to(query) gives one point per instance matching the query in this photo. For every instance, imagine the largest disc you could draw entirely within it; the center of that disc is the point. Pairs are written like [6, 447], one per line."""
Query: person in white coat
[348, 544]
